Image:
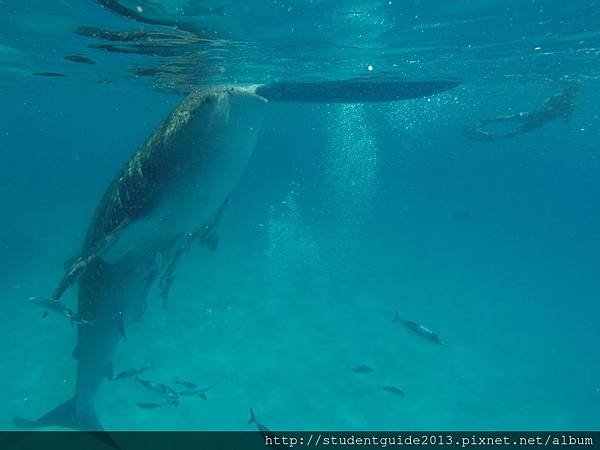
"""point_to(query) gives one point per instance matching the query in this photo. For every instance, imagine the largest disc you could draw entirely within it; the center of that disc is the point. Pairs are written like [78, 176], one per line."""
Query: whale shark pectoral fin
[357, 90]
[81, 262]
[73, 273]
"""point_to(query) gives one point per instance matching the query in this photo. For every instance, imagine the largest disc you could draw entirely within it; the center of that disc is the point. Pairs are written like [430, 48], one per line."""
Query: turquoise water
[346, 214]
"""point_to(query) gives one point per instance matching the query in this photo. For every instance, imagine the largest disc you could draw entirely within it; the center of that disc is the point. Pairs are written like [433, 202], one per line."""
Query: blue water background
[346, 214]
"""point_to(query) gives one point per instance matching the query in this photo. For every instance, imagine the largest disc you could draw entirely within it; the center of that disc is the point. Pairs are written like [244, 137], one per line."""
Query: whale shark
[169, 194]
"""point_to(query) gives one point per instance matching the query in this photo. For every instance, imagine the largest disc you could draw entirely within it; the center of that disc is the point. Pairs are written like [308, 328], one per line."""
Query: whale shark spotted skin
[171, 192]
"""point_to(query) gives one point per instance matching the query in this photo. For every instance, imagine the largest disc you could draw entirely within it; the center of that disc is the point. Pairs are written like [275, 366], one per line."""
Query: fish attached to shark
[169, 194]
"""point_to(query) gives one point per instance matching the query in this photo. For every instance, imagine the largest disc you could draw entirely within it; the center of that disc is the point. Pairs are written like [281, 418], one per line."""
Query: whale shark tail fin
[357, 90]
[66, 415]
[252, 417]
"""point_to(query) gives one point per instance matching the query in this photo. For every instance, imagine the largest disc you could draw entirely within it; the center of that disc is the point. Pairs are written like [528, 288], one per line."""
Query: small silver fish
[130, 373]
[170, 395]
[420, 329]
[187, 384]
[79, 59]
[199, 392]
[391, 389]
[360, 368]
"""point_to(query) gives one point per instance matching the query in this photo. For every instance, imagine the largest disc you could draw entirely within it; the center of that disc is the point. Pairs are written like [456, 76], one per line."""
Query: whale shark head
[236, 108]
[222, 124]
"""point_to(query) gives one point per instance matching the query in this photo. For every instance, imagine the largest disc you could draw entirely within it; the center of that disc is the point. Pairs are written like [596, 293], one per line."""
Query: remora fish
[168, 192]
[51, 305]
